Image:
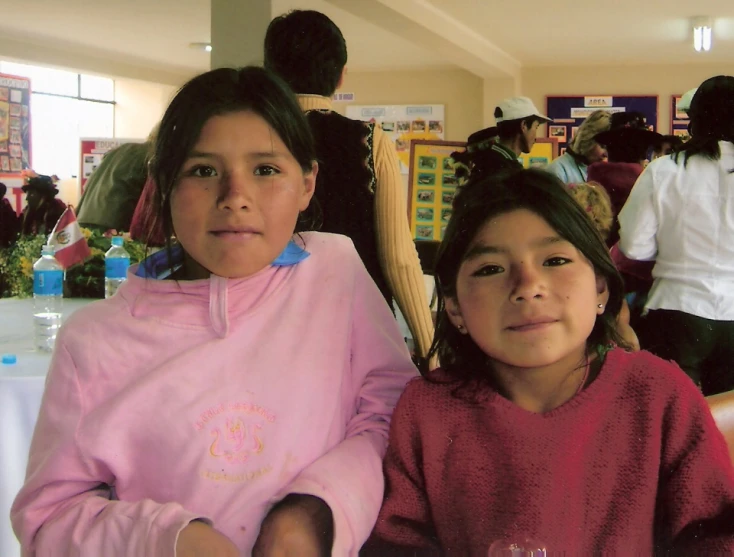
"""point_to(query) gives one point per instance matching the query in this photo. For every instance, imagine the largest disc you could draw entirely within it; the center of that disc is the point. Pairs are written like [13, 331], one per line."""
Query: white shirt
[683, 218]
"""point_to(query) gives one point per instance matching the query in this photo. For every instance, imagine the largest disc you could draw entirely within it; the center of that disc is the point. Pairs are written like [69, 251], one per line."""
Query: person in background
[114, 188]
[595, 201]
[462, 162]
[517, 128]
[666, 145]
[359, 186]
[9, 223]
[234, 397]
[680, 215]
[539, 424]
[627, 143]
[42, 210]
[572, 166]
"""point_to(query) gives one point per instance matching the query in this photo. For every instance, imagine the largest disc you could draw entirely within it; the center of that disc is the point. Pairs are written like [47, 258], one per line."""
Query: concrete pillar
[238, 32]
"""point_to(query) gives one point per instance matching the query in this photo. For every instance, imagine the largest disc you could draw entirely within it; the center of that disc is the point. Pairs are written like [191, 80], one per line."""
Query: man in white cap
[517, 126]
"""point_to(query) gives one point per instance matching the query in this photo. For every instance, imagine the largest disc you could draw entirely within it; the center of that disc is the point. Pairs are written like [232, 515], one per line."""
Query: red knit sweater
[634, 462]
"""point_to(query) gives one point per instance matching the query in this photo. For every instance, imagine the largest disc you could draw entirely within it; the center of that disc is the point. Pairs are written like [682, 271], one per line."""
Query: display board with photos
[431, 187]
[569, 112]
[542, 153]
[15, 125]
[92, 150]
[679, 120]
[404, 124]
[432, 183]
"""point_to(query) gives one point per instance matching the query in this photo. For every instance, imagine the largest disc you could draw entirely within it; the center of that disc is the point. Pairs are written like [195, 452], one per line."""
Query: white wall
[140, 106]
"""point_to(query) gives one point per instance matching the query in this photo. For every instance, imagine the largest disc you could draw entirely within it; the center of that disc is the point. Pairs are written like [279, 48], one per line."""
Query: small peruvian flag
[71, 245]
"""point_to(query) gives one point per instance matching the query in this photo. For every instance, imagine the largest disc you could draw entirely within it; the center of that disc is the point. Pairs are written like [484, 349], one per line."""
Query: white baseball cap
[684, 104]
[517, 108]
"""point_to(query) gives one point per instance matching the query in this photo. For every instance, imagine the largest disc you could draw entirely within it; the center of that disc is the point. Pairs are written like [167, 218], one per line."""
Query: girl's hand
[299, 526]
[198, 539]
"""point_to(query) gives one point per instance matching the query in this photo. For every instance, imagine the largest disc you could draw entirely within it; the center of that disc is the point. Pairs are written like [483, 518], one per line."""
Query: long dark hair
[484, 198]
[712, 120]
[219, 92]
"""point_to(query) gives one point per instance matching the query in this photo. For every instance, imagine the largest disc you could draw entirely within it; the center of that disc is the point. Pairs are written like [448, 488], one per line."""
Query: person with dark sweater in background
[627, 142]
[359, 186]
[540, 425]
[8, 220]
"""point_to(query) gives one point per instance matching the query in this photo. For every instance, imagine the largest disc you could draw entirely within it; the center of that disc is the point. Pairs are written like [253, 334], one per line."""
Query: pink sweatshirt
[214, 399]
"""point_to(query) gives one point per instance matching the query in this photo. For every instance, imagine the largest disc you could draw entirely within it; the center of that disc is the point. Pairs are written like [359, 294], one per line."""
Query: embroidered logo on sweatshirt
[236, 433]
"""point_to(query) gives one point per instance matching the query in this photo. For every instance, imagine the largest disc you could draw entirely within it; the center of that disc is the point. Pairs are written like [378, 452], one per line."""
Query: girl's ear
[453, 311]
[602, 294]
[309, 182]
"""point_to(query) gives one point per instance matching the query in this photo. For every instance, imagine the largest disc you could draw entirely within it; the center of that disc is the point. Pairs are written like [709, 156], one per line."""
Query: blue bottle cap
[9, 359]
[117, 240]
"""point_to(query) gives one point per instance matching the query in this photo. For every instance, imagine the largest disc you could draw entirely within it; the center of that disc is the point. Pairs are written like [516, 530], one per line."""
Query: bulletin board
[431, 187]
[678, 119]
[542, 153]
[15, 125]
[404, 124]
[92, 150]
[432, 183]
[569, 112]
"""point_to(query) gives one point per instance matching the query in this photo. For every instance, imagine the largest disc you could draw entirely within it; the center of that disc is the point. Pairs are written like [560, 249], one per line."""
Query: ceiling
[156, 33]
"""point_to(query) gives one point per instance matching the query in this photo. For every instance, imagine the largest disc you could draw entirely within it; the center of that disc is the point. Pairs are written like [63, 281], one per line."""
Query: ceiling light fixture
[702, 34]
[207, 47]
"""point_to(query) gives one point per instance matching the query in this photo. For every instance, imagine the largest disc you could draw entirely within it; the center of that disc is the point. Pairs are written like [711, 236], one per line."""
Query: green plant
[84, 280]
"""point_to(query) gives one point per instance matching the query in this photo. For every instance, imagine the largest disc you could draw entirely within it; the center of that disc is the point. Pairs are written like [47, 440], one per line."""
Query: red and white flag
[71, 245]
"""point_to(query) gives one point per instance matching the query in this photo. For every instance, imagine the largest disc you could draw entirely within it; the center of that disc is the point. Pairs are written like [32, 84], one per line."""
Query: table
[20, 398]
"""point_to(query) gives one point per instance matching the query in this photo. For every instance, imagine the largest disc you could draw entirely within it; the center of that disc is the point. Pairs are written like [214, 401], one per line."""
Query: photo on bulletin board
[431, 187]
[678, 119]
[568, 112]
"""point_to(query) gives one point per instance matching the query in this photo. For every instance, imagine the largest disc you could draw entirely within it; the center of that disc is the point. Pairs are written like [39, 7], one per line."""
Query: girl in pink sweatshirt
[234, 396]
[538, 430]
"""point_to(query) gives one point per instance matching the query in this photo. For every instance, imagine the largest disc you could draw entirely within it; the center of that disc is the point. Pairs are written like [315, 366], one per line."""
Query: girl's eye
[202, 171]
[487, 270]
[266, 170]
[556, 261]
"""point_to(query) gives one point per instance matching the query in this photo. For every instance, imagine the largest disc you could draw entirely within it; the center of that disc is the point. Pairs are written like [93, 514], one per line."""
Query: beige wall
[663, 81]
[140, 105]
[460, 92]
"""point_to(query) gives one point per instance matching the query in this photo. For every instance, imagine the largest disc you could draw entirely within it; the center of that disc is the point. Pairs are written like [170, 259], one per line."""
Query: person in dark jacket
[8, 220]
[42, 210]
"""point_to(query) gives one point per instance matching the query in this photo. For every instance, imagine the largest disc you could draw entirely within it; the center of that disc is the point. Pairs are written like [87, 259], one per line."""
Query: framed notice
[15, 125]
[93, 150]
[431, 187]
[404, 124]
[569, 112]
[678, 119]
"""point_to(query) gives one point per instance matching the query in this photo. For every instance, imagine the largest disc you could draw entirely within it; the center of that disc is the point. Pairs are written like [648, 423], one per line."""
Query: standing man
[517, 128]
[359, 186]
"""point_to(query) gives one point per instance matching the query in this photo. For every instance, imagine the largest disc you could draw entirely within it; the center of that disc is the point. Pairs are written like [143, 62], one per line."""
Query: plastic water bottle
[116, 262]
[48, 299]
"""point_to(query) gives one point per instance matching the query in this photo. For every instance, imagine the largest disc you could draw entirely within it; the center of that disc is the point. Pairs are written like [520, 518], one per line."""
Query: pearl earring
[461, 328]
[600, 306]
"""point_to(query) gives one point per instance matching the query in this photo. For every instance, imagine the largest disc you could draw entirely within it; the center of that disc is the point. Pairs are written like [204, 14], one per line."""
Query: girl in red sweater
[540, 425]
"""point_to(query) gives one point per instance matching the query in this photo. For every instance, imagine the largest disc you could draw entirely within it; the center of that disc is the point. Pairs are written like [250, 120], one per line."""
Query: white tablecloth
[20, 399]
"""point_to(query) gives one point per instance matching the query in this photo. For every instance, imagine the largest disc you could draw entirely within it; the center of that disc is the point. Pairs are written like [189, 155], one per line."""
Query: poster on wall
[404, 124]
[432, 183]
[542, 153]
[569, 112]
[431, 187]
[15, 125]
[678, 119]
[93, 150]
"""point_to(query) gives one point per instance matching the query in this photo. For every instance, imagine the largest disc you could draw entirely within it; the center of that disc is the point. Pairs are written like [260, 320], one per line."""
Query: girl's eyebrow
[480, 249]
[257, 155]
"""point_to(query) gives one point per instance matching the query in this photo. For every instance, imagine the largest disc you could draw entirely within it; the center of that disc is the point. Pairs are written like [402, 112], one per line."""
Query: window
[65, 106]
